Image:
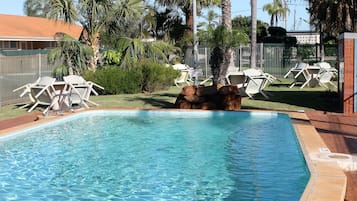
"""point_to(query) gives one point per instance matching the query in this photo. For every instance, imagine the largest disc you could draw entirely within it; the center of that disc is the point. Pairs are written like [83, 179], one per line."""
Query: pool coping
[327, 180]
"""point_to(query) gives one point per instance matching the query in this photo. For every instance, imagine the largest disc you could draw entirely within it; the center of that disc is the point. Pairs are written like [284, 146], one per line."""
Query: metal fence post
[261, 55]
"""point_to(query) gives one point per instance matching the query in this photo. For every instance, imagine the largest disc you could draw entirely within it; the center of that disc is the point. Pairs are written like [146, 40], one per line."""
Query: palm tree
[275, 10]
[228, 53]
[253, 41]
[334, 16]
[94, 16]
[220, 39]
[73, 55]
[135, 49]
[186, 7]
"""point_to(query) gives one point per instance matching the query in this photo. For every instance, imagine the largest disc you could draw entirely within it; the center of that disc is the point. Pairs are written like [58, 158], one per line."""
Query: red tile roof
[13, 27]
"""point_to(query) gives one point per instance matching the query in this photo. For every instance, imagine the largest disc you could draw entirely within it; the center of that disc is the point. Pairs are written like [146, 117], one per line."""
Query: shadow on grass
[154, 102]
[318, 100]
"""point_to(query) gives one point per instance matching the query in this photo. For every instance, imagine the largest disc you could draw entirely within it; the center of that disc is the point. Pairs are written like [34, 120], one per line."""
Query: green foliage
[116, 80]
[72, 53]
[60, 71]
[156, 76]
[112, 57]
[146, 76]
[243, 23]
[135, 50]
[304, 52]
[221, 37]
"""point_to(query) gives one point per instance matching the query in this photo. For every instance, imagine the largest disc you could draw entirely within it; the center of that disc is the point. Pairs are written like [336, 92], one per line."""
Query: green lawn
[282, 98]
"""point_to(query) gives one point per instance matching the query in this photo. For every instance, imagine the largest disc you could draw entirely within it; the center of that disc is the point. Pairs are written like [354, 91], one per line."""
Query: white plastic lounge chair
[255, 85]
[43, 92]
[182, 79]
[78, 85]
[27, 90]
[325, 78]
[303, 73]
[236, 78]
[326, 74]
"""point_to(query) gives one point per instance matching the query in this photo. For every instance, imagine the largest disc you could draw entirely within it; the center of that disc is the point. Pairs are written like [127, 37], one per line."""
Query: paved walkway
[340, 135]
[337, 130]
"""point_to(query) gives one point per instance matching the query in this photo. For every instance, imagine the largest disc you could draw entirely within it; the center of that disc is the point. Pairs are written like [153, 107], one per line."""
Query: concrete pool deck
[327, 181]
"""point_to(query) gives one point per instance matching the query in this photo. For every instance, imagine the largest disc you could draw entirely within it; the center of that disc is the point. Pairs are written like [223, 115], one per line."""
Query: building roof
[25, 28]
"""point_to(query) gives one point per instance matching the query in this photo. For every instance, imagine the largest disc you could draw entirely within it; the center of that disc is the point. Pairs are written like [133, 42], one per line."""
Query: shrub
[146, 76]
[116, 80]
[156, 76]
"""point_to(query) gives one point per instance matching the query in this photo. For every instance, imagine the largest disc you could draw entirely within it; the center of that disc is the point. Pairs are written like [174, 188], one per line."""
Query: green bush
[146, 76]
[116, 80]
[156, 76]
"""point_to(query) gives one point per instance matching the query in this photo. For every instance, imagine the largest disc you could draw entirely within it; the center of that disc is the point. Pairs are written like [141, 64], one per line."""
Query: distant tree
[168, 25]
[36, 8]
[211, 20]
[186, 7]
[243, 23]
[276, 10]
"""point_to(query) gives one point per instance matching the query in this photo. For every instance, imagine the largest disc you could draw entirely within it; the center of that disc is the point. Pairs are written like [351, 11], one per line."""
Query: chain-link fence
[275, 59]
[18, 68]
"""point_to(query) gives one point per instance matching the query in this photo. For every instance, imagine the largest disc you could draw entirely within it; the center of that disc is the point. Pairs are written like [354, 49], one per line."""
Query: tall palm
[253, 41]
[228, 53]
[276, 9]
[186, 7]
[334, 16]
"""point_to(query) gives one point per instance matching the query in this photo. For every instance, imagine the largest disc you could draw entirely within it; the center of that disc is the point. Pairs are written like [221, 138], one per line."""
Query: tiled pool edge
[327, 180]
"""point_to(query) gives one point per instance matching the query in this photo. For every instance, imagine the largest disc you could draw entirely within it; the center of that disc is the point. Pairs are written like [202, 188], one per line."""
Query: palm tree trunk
[253, 42]
[189, 23]
[228, 53]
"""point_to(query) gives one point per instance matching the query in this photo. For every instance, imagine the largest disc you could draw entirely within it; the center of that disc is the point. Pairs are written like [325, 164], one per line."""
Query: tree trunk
[253, 42]
[189, 23]
[216, 62]
[94, 43]
[228, 53]
[322, 46]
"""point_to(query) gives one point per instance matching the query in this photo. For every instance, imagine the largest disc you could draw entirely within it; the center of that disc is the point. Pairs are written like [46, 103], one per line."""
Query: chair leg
[265, 96]
[33, 107]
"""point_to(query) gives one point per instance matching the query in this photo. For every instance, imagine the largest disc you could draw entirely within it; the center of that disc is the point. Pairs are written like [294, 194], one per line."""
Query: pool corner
[327, 180]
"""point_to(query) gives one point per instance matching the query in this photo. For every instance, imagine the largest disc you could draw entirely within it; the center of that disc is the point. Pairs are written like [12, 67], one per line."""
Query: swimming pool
[155, 155]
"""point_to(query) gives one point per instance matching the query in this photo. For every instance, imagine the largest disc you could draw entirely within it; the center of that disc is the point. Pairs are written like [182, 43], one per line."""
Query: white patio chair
[78, 85]
[236, 78]
[325, 78]
[43, 92]
[27, 90]
[182, 79]
[302, 73]
[255, 85]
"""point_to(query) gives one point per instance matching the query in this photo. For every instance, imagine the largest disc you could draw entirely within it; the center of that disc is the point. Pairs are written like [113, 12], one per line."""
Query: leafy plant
[73, 54]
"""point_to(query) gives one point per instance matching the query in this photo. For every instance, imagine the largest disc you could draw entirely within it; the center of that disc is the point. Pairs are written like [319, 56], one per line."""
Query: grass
[282, 98]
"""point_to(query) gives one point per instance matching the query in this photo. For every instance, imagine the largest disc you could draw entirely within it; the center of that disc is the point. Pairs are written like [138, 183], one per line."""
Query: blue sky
[298, 13]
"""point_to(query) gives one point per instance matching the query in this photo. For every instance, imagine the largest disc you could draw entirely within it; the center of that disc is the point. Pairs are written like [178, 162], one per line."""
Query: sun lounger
[304, 74]
[78, 85]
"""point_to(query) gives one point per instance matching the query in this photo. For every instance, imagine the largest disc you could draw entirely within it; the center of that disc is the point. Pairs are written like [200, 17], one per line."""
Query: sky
[296, 21]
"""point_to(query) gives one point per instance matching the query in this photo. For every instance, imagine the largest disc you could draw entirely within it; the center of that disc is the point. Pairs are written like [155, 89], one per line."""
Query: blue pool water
[155, 155]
